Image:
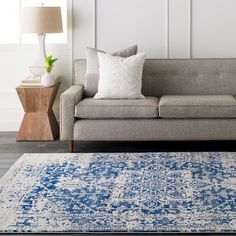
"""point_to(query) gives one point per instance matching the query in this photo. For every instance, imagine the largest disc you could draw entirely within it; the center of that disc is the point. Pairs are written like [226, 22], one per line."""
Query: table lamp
[41, 20]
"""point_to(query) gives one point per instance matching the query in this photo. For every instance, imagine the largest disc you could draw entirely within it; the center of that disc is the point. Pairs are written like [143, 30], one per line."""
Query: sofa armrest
[68, 100]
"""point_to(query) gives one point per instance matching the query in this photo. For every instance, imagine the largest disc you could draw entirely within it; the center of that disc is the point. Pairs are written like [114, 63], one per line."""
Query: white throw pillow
[120, 77]
[92, 71]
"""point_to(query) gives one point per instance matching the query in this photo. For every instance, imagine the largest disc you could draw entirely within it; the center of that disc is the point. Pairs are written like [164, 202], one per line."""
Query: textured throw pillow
[92, 73]
[120, 78]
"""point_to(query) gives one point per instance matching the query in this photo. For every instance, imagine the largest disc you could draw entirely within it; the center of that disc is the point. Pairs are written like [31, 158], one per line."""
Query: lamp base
[37, 69]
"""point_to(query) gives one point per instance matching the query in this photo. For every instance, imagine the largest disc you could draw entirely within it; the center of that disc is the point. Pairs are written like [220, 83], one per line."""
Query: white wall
[123, 23]
[14, 63]
[213, 28]
[162, 28]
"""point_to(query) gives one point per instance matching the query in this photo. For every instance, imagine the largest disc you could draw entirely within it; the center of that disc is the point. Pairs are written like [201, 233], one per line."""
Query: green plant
[49, 61]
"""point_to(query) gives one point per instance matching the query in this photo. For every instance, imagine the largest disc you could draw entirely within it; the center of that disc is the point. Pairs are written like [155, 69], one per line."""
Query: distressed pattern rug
[120, 192]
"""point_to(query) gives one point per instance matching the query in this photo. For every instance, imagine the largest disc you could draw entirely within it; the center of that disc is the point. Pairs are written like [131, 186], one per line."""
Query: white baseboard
[9, 125]
[10, 118]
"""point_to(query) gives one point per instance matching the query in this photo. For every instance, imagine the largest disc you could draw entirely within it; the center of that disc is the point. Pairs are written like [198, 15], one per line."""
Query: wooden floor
[10, 151]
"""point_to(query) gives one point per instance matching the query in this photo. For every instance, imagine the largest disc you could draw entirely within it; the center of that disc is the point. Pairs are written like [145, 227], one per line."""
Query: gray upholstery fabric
[90, 108]
[162, 77]
[79, 71]
[91, 84]
[92, 60]
[202, 106]
[155, 129]
[92, 73]
[130, 51]
[68, 100]
[184, 77]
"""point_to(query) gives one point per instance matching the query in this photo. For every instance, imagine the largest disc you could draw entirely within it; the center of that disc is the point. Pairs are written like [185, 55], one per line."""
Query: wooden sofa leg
[71, 146]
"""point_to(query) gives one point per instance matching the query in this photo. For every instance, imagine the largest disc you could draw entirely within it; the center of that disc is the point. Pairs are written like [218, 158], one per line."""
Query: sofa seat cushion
[90, 108]
[202, 106]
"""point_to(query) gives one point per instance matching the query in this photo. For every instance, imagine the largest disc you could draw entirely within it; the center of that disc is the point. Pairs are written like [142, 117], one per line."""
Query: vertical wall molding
[179, 33]
[167, 30]
[83, 27]
[176, 29]
[95, 23]
[72, 42]
[89, 33]
[190, 29]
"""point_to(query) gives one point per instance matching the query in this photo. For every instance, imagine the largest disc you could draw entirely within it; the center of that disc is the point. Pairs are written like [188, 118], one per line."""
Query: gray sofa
[185, 100]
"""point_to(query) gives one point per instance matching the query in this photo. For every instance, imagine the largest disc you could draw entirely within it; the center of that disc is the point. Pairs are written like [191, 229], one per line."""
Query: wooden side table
[39, 122]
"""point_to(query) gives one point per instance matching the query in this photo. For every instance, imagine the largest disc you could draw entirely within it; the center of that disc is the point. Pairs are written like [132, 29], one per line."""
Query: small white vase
[47, 80]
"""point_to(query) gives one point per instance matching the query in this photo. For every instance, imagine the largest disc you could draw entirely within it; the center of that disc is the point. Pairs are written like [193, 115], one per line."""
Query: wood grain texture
[39, 122]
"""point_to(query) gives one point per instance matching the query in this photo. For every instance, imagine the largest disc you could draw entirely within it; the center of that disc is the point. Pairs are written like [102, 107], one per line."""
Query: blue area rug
[126, 192]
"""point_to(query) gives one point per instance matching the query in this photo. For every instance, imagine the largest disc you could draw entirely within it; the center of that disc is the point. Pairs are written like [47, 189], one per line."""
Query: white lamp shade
[41, 20]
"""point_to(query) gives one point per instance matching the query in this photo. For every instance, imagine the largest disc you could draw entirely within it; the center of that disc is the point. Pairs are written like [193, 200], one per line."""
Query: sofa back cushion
[181, 76]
